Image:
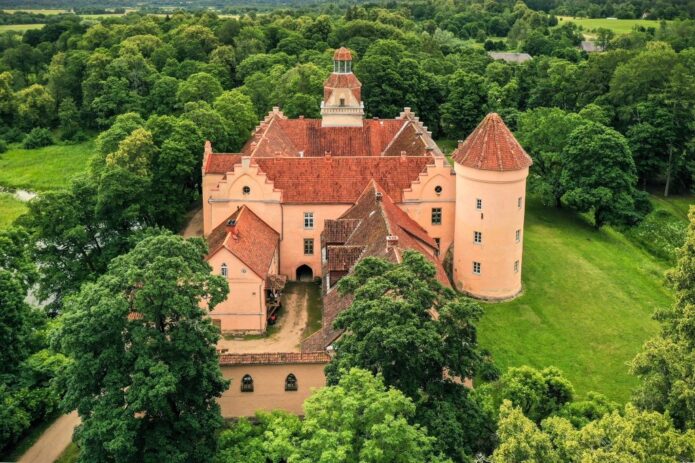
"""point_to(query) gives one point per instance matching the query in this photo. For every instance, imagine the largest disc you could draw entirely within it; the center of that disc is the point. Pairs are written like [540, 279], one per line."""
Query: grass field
[37, 11]
[44, 168]
[70, 454]
[619, 26]
[19, 27]
[10, 209]
[587, 304]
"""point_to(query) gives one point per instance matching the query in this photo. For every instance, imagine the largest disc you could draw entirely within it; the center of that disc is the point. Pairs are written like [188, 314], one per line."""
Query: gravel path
[52, 442]
[287, 335]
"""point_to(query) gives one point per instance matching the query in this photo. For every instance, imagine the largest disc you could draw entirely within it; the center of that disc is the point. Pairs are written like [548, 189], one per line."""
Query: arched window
[247, 383]
[246, 190]
[223, 270]
[291, 382]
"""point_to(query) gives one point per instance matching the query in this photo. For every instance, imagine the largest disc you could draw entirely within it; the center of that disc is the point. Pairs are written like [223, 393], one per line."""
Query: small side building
[244, 250]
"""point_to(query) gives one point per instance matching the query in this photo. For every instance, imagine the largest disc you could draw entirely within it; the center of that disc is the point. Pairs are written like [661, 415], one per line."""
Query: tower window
[436, 216]
[308, 247]
[246, 190]
[516, 266]
[518, 236]
[476, 268]
[477, 237]
[309, 220]
[291, 382]
[224, 271]
[518, 202]
[247, 383]
[478, 203]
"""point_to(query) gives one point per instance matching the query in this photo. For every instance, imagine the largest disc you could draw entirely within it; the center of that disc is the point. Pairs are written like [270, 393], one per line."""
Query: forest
[605, 131]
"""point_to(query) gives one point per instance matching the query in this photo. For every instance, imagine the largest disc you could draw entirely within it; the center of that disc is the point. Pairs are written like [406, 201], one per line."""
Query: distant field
[37, 11]
[587, 304]
[44, 168]
[10, 209]
[619, 26]
[19, 27]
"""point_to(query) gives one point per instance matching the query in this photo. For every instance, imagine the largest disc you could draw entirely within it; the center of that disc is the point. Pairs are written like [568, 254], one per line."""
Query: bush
[660, 234]
[37, 138]
[3, 145]
[13, 135]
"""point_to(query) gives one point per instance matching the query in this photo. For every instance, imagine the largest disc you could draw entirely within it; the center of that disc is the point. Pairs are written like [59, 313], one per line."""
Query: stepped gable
[250, 239]
[492, 146]
[378, 218]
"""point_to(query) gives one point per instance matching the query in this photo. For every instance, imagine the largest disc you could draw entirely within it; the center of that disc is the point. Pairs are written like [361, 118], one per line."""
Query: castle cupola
[342, 104]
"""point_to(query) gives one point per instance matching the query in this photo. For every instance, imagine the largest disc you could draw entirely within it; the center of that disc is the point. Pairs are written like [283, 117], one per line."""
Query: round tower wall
[500, 215]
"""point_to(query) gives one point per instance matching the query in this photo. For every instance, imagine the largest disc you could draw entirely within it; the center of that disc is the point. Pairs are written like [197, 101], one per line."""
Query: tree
[144, 375]
[465, 106]
[520, 440]
[199, 87]
[69, 118]
[239, 115]
[358, 419]
[389, 330]
[7, 98]
[599, 176]
[544, 133]
[35, 106]
[666, 364]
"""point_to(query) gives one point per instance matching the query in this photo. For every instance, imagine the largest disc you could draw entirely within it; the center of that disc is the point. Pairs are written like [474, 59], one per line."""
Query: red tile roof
[342, 54]
[338, 80]
[338, 231]
[342, 258]
[220, 163]
[492, 146]
[274, 358]
[340, 179]
[254, 243]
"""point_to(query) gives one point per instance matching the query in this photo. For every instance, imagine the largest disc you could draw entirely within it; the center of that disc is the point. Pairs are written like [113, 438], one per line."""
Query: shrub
[3, 145]
[13, 135]
[37, 138]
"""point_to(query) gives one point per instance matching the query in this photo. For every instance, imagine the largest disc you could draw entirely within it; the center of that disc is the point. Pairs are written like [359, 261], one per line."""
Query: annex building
[309, 198]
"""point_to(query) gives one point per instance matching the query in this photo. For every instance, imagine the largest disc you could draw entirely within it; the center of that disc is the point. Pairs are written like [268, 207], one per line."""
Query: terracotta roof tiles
[274, 358]
[492, 146]
[342, 54]
[254, 242]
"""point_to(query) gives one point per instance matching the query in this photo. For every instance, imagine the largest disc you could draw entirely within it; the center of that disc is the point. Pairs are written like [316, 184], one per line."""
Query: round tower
[491, 169]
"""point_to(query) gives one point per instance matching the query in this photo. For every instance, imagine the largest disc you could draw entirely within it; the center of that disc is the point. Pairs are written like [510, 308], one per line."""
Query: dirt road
[194, 226]
[288, 334]
[52, 442]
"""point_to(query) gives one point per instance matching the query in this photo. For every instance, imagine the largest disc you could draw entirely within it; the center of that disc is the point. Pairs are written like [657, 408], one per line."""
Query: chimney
[232, 228]
[391, 241]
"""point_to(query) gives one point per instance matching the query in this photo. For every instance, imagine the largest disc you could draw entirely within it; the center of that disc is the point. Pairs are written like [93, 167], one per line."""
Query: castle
[309, 198]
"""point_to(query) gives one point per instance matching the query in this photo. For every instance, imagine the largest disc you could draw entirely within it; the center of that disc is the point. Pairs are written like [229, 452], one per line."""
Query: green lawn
[19, 27]
[70, 455]
[619, 26]
[44, 168]
[676, 205]
[10, 209]
[587, 304]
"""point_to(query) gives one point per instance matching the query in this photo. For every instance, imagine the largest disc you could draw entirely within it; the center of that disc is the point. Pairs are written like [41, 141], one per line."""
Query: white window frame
[440, 213]
[224, 270]
[477, 268]
[479, 204]
[477, 237]
[308, 221]
[305, 242]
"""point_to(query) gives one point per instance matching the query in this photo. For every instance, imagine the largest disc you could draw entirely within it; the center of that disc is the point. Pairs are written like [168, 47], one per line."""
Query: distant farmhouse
[509, 57]
[309, 198]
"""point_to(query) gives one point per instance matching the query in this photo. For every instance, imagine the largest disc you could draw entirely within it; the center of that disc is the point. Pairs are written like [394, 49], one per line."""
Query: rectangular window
[516, 266]
[223, 270]
[476, 268]
[477, 237]
[436, 216]
[439, 243]
[308, 247]
[518, 202]
[478, 203]
[518, 236]
[309, 220]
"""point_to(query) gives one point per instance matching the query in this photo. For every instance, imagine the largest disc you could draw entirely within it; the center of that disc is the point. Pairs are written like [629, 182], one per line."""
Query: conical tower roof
[492, 146]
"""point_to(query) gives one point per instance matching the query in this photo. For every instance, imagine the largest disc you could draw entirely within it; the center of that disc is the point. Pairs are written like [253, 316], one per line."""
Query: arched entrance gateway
[304, 273]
